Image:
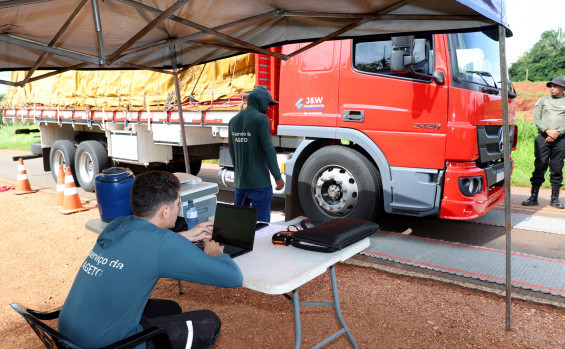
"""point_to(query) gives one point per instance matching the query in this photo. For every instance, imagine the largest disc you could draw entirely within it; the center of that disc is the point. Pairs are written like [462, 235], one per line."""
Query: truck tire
[35, 148]
[91, 158]
[62, 153]
[195, 166]
[339, 182]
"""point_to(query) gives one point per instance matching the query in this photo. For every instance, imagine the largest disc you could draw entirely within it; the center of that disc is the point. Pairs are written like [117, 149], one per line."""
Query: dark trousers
[548, 154]
[260, 198]
[193, 329]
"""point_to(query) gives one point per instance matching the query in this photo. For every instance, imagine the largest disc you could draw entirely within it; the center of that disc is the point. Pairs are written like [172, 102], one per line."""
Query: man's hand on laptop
[212, 248]
[202, 231]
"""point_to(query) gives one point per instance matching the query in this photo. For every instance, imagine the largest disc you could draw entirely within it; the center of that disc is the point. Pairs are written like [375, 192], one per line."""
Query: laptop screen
[234, 225]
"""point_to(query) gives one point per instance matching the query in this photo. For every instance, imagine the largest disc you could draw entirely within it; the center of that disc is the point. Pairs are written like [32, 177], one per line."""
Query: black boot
[555, 199]
[532, 200]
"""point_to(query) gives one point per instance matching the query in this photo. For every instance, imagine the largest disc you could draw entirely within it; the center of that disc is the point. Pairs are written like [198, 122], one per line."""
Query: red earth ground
[41, 250]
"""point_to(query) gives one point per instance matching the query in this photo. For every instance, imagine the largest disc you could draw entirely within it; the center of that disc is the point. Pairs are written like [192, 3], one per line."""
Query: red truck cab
[421, 142]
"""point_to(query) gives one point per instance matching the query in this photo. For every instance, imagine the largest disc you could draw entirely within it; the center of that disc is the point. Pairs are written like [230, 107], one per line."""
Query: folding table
[276, 269]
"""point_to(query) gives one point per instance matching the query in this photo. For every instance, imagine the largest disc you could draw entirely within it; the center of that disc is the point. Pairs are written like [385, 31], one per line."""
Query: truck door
[309, 86]
[403, 114]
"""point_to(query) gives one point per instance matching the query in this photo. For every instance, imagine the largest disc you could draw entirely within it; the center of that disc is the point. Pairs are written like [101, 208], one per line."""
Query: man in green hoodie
[549, 146]
[253, 154]
[109, 299]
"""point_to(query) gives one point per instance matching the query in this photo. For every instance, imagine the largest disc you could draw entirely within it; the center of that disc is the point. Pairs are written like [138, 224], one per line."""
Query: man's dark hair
[151, 190]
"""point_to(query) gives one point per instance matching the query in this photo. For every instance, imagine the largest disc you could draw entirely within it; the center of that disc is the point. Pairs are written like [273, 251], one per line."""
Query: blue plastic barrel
[113, 190]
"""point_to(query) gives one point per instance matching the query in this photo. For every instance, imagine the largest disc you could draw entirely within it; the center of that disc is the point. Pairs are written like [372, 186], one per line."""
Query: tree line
[544, 61]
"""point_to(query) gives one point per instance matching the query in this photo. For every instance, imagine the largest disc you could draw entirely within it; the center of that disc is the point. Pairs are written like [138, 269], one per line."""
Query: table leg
[338, 309]
[297, 328]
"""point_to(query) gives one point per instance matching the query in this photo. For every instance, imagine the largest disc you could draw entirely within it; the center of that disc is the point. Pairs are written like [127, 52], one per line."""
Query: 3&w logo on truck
[311, 103]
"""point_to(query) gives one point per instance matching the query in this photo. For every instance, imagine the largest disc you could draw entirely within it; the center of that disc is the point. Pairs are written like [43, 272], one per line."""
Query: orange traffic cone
[22, 184]
[60, 186]
[71, 200]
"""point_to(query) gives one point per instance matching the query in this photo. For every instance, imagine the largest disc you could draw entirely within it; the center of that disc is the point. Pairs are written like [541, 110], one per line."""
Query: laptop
[234, 228]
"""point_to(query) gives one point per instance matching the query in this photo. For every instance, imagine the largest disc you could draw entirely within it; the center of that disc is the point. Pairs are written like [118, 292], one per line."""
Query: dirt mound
[528, 95]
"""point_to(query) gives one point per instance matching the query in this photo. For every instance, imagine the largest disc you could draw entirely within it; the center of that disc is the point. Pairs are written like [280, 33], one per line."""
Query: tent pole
[98, 28]
[179, 106]
[507, 169]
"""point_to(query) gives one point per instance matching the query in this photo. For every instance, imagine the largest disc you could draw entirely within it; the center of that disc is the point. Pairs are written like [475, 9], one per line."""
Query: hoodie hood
[260, 98]
[116, 230]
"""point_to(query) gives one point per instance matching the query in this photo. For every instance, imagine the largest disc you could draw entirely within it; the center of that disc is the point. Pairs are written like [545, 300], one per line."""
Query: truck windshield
[477, 56]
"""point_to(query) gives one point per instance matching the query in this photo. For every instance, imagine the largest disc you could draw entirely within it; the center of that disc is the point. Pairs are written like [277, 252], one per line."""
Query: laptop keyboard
[228, 249]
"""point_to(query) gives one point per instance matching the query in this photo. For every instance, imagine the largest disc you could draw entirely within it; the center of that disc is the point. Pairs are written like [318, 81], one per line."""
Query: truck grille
[490, 143]
[491, 152]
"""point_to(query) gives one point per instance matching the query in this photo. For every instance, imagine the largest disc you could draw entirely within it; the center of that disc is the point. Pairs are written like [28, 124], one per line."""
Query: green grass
[524, 155]
[9, 140]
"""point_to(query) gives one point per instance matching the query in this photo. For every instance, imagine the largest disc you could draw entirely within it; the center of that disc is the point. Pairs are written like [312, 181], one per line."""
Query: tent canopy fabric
[146, 34]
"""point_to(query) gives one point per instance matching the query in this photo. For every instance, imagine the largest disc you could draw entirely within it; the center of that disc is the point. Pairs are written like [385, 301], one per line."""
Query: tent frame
[125, 51]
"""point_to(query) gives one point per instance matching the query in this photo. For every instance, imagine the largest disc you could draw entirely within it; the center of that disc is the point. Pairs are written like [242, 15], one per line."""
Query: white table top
[277, 269]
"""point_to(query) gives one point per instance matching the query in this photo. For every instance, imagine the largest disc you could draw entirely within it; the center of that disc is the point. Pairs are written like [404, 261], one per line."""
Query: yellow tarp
[134, 89]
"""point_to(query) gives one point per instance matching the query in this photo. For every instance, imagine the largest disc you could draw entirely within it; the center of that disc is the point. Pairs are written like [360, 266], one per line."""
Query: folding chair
[53, 339]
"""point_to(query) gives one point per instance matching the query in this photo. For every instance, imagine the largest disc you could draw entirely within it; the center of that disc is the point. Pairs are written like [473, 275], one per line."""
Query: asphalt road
[529, 242]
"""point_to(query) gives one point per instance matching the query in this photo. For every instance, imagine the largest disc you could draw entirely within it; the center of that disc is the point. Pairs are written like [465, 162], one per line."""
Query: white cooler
[202, 194]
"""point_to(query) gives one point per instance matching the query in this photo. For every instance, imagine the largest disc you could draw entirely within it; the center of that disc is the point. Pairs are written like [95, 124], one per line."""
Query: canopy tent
[63, 35]
[138, 34]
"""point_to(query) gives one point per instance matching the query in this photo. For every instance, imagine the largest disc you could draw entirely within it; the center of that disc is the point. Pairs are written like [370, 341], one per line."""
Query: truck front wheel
[339, 182]
[62, 153]
[90, 159]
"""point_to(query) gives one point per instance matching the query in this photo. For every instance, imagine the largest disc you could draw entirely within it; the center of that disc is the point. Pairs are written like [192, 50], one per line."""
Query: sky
[528, 19]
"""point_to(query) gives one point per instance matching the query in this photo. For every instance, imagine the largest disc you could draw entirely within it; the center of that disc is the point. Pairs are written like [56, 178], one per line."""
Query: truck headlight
[469, 186]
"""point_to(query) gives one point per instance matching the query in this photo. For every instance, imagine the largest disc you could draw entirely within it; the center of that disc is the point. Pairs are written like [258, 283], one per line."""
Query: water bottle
[190, 214]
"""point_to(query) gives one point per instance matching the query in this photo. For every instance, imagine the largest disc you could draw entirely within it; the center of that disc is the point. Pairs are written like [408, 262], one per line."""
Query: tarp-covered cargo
[134, 89]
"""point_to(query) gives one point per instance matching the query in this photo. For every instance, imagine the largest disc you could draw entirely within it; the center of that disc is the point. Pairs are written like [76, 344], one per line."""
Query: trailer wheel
[195, 166]
[36, 149]
[62, 153]
[90, 159]
[339, 182]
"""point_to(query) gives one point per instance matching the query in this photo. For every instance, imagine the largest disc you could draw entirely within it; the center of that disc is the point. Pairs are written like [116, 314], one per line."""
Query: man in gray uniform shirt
[549, 146]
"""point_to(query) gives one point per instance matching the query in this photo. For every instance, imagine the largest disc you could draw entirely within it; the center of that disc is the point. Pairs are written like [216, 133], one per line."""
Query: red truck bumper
[456, 205]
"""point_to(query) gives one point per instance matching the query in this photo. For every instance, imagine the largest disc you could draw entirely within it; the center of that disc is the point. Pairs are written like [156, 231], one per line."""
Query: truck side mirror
[402, 59]
[402, 56]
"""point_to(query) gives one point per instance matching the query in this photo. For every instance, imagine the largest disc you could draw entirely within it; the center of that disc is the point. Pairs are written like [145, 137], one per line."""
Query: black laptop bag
[333, 235]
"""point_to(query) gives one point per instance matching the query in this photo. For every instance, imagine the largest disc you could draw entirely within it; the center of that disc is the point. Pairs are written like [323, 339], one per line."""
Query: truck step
[25, 157]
